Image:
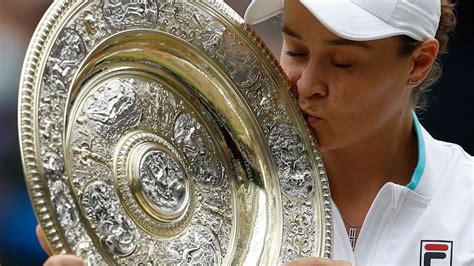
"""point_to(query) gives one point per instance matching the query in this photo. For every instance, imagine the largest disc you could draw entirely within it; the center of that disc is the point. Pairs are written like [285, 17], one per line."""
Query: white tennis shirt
[428, 222]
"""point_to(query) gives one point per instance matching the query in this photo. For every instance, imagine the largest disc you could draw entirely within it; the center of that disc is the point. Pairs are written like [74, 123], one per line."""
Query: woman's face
[350, 91]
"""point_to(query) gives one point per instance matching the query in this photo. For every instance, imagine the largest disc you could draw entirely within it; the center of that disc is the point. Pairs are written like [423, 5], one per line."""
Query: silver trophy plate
[163, 132]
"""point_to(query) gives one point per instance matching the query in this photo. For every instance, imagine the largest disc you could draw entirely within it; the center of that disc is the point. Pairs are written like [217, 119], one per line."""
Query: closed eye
[342, 66]
[293, 54]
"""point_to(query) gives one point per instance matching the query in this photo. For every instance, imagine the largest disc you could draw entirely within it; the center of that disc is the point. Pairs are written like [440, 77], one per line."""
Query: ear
[423, 59]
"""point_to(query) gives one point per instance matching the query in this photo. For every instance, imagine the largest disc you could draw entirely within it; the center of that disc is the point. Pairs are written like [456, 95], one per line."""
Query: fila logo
[436, 253]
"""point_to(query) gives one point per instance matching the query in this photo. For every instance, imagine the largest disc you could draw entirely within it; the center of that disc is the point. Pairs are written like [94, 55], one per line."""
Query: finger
[42, 240]
[306, 262]
[65, 260]
[343, 263]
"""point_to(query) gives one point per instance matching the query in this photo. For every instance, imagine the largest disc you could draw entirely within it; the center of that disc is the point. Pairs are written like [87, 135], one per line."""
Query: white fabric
[363, 20]
[440, 208]
[259, 11]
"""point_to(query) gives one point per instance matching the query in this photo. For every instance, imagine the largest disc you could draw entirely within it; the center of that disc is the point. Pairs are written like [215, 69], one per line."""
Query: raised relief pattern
[188, 135]
[300, 228]
[121, 14]
[182, 20]
[116, 232]
[114, 109]
[163, 181]
[295, 173]
[197, 247]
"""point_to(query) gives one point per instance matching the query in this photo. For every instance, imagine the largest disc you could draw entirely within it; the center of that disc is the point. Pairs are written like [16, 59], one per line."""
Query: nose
[310, 82]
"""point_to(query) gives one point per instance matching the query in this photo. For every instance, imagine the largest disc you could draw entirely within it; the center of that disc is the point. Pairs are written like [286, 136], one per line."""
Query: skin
[357, 98]
[57, 260]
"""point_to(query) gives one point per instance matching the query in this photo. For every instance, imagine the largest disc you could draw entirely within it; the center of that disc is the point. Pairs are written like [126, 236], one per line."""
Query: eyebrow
[334, 42]
[290, 32]
[343, 42]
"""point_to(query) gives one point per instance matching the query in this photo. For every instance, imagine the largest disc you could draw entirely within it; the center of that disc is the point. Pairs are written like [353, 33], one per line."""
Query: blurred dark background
[448, 117]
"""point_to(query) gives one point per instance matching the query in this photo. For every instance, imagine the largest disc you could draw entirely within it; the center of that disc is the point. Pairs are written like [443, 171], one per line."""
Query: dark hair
[447, 23]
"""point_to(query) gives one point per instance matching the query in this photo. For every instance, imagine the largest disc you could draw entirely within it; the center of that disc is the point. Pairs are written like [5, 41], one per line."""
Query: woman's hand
[318, 262]
[57, 260]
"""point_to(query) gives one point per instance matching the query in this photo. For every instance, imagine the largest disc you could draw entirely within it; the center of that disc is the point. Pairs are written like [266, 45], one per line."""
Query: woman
[359, 69]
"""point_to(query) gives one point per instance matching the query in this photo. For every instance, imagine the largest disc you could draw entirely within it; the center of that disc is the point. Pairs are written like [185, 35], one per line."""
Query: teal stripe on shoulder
[420, 166]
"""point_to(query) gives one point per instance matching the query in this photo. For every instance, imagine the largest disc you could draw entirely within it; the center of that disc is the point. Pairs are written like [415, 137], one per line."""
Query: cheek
[369, 104]
[369, 89]
[390, 92]
[292, 68]
[289, 69]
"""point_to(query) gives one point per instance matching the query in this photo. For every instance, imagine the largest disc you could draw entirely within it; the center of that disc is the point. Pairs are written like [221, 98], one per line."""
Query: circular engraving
[152, 183]
[162, 180]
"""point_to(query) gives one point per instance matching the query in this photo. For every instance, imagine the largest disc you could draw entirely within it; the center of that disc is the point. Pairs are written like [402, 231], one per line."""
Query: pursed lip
[308, 116]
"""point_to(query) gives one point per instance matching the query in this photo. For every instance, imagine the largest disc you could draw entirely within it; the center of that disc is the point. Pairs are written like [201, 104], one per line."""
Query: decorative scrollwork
[294, 170]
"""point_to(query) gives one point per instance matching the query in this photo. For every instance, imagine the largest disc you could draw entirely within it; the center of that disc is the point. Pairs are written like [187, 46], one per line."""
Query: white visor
[363, 20]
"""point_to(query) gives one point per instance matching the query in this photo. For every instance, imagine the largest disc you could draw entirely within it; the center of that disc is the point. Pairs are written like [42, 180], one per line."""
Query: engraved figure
[162, 180]
[101, 207]
[114, 109]
[187, 134]
[65, 59]
[211, 36]
[91, 26]
[53, 164]
[121, 14]
[294, 170]
[198, 247]
[63, 204]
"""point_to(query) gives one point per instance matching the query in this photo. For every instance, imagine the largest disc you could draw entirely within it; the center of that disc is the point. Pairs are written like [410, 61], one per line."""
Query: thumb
[42, 240]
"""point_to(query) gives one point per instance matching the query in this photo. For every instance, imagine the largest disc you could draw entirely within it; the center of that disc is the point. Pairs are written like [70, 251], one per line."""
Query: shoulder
[449, 170]
[455, 157]
[448, 155]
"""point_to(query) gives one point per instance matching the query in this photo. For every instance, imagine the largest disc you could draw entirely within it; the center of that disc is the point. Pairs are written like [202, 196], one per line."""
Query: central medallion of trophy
[152, 182]
[156, 177]
[162, 180]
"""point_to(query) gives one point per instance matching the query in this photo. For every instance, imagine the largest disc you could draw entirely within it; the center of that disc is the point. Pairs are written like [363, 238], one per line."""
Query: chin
[323, 148]
[322, 143]
[326, 144]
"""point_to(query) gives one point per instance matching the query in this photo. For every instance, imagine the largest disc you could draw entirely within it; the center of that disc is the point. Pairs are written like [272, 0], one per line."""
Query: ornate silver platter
[162, 132]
